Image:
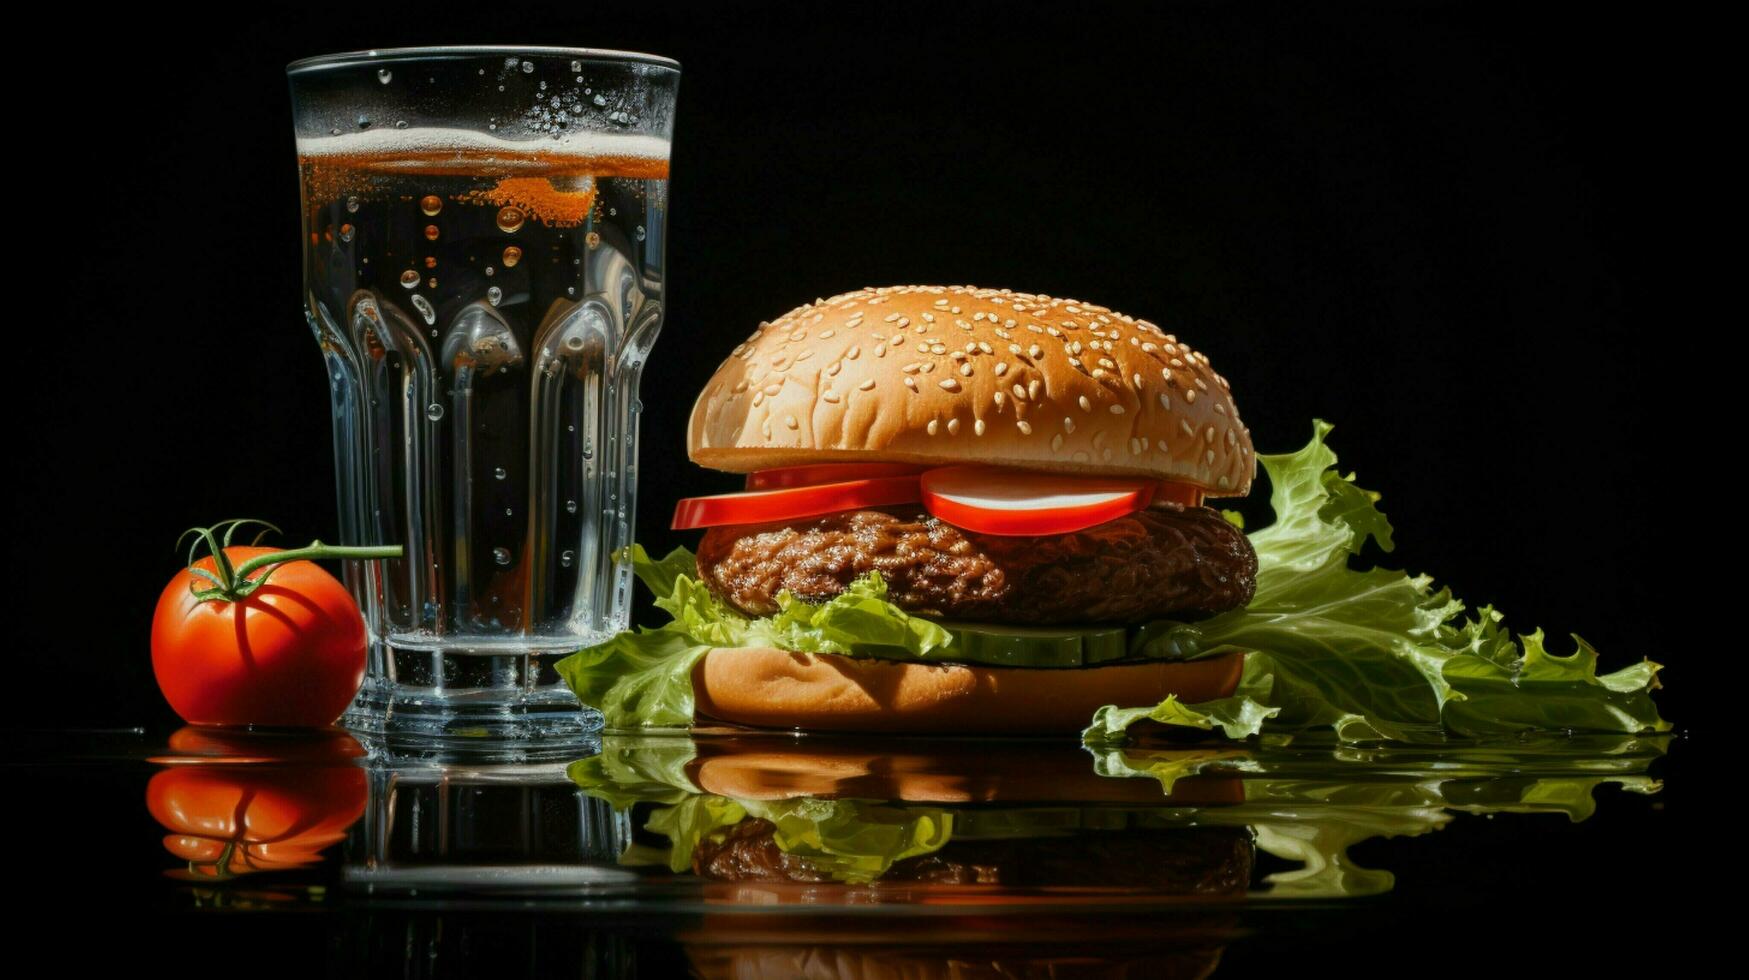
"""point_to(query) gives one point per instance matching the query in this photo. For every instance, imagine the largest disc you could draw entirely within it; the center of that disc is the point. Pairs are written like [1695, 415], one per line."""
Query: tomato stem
[233, 584]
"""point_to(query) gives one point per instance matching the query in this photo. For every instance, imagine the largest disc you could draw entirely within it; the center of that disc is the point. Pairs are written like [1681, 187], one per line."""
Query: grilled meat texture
[1158, 563]
[1192, 861]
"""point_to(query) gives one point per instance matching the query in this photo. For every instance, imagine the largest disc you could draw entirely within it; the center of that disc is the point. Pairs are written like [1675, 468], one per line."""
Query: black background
[1445, 228]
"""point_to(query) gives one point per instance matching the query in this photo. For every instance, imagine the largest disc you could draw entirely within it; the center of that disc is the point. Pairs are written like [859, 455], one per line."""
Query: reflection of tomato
[291, 653]
[227, 819]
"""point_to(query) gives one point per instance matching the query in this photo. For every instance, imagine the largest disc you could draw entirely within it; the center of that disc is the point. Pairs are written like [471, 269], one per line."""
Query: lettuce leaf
[1378, 654]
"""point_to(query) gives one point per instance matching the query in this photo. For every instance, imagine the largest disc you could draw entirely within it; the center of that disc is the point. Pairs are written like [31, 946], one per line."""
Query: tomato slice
[807, 476]
[766, 506]
[992, 500]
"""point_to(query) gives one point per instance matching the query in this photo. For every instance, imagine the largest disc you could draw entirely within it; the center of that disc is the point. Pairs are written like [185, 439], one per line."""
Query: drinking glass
[483, 238]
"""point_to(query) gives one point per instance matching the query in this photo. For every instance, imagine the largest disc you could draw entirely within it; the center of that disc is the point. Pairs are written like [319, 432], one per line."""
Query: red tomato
[807, 476]
[765, 506]
[291, 654]
[992, 500]
[1178, 493]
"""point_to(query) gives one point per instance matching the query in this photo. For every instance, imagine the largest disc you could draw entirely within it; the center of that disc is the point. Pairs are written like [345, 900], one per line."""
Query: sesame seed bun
[947, 374]
[770, 688]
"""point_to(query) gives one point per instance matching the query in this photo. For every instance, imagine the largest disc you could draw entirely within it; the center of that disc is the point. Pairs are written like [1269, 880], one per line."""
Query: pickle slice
[999, 645]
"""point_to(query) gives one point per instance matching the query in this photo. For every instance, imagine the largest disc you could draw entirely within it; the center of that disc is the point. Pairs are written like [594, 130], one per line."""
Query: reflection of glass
[236, 803]
[484, 233]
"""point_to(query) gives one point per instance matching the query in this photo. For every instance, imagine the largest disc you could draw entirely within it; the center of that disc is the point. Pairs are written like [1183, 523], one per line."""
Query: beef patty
[1161, 562]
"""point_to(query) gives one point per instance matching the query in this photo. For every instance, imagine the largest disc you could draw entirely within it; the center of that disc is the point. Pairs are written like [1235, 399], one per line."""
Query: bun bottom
[770, 688]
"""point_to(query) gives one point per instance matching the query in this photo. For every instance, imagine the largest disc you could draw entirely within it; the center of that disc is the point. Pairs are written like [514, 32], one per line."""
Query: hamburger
[1027, 471]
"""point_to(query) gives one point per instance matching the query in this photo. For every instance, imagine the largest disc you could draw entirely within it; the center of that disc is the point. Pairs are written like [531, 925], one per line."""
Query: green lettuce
[1378, 654]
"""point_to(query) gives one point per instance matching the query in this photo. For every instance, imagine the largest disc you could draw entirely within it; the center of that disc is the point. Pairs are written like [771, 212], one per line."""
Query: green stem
[316, 551]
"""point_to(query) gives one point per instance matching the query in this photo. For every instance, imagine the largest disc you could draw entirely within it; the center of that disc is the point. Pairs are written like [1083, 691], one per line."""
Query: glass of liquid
[483, 239]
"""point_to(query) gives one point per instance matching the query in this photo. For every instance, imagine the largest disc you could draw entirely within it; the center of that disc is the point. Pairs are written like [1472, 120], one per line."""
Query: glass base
[463, 700]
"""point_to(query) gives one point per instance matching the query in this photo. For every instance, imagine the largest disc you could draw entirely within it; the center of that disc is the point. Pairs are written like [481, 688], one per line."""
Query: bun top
[957, 374]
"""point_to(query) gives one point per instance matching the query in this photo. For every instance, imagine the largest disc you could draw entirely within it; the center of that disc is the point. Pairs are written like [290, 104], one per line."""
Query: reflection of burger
[1028, 471]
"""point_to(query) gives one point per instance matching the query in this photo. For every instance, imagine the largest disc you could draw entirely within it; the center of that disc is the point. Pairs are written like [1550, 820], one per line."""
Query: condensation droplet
[512, 255]
[510, 219]
[576, 65]
[400, 124]
[423, 305]
[501, 555]
[509, 513]
[431, 262]
[494, 295]
[410, 278]
[567, 557]
[640, 233]
[431, 233]
[431, 204]
[501, 473]
[570, 506]
[346, 232]
[363, 122]
[385, 76]
[352, 204]
[593, 239]
[434, 411]
[528, 68]
[599, 100]
[491, 271]
[570, 290]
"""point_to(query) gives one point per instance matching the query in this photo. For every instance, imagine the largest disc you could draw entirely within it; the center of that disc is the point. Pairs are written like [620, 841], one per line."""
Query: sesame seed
[1106, 453]
[1117, 409]
[1148, 348]
[1136, 379]
[880, 350]
[931, 427]
[830, 396]
[833, 368]
[1231, 438]
[1015, 349]
[978, 427]
[1199, 382]
[999, 397]
[1076, 362]
[827, 334]
[889, 318]
[1024, 426]
[958, 355]
[797, 334]
[758, 396]
[790, 421]
[922, 348]
[867, 384]
[1032, 388]
[1209, 434]
[1189, 397]
[911, 368]
[1210, 456]
[1220, 409]
[1162, 444]
[928, 366]
[774, 388]
[950, 384]
[804, 355]
[1165, 403]
[740, 386]
[911, 383]
[1068, 425]
[985, 347]
[1223, 483]
[1080, 456]
[1136, 446]
[1034, 351]
[1086, 406]
[1177, 363]
[937, 349]
[1001, 368]
[953, 427]
[1099, 372]
[928, 318]
[853, 353]
[1057, 443]
[1188, 430]
[965, 370]
[1019, 393]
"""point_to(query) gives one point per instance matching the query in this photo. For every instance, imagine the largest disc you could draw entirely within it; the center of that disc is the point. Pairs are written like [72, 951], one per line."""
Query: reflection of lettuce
[1379, 654]
[1305, 801]
[1373, 655]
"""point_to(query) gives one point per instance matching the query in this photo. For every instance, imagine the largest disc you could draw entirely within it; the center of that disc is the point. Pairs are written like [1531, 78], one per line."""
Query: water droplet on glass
[363, 122]
[501, 473]
[431, 233]
[593, 239]
[570, 290]
[434, 411]
[640, 233]
[431, 204]
[510, 219]
[400, 124]
[410, 278]
[336, 131]
[528, 68]
[432, 282]
[570, 506]
[613, 212]
[576, 65]
[491, 271]
[588, 449]
[492, 127]
[385, 76]
[346, 232]
[567, 557]
[599, 100]
[352, 204]
[431, 262]
[423, 305]
[501, 555]
[512, 255]
[509, 513]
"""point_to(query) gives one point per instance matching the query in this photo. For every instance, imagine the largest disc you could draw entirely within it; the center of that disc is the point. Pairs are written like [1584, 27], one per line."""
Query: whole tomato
[286, 652]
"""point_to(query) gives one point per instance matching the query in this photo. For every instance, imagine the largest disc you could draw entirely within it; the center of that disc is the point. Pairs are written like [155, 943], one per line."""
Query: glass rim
[342, 59]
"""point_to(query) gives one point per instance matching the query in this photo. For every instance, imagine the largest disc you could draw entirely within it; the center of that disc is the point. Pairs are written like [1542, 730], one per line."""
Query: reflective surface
[736, 855]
